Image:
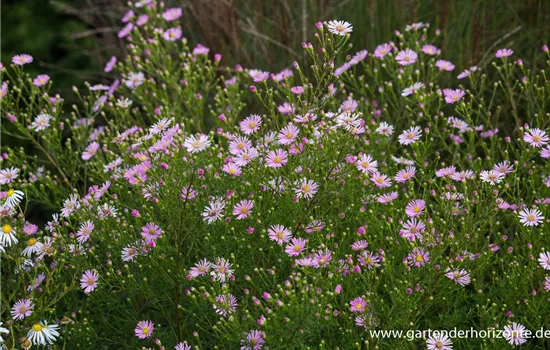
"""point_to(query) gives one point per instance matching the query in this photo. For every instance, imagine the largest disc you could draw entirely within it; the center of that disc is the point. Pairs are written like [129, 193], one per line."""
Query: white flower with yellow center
[41, 333]
[13, 198]
[7, 236]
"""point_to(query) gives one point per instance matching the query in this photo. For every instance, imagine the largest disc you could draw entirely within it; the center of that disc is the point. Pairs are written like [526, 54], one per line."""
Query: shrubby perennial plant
[197, 206]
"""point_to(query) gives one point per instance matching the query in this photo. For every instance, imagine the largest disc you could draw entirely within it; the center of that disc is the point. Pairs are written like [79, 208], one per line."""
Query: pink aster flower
[460, 276]
[144, 329]
[239, 144]
[382, 50]
[254, 340]
[322, 259]
[306, 189]
[387, 197]
[415, 207]
[110, 64]
[547, 283]
[297, 90]
[515, 334]
[21, 309]
[369, 259]
[21, 60]
[296, 246]
[288, 134]
[41, 80]
[492, 177]
[445, 172]
[530, 217]
[251, 124]
[232, 169]
[452, 96]
[151, 231]
[445, 65]
[90, 151]
[182, 346]
[439, 342]
[406, 174]
[536, 137]
[406, 57]
[430, 50]
[503, 168]
[225, 304]
[501, 53]
[277, 158]
[380, 180]
[412, 229]
[544, 260]
[411, 90]
[286, 108]
[172, 34]
[200, 50]
[360, 245]
[358, 305]
[410, 136]
[418, 257]
[200, 269]
[545, 153]
[366, 164]
[88, 281]
[124, 32]
[279, 234]
[221, 270]
[83, 234]
[172, 14]
[243, 209]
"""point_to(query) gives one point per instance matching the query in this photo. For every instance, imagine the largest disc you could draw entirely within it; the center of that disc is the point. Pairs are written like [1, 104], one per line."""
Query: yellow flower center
[277, 159]
[252, 124]
[416, 209]
[10, 193]
[419, 258]
[145, 330]
[90, 281]
[31, 242]
[6, 229]
[37, 327]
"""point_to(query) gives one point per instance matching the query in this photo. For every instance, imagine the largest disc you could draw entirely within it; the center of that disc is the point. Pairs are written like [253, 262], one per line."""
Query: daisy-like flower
[459, 276]
[406, 57]
[544, 260]
[491, 176]
[243, 209]
[358, 305]
[41, 80]
[536, 137]
[258, 76]
[195, 144]
[445, 65]
[182, 346]
[171, 14]
[70, 205]
[545, 153]
[412, 229]
[387, 197]
[172, 34]
[446, 172]
[382, 50]
[277, 158]
[232, 169]
[83, 234]
[279, 234]
[418, 257]
[254, 340]
[144, 329]
[546, 284]
[452, 96]
[306, 189]
[384, 129]
[296, 246]
[415, 208]
[21, 309]
[21, 60]
[110, 64]
[462, 176]
[33, 247]
[410, 136]
[225, 304]
[530, 217]
[412, 89]
[501, 53]
[406, 174]
[214, 211]
[13, 198]
[222, 269]
[7, 236]
[160, 126]
[134, 80]
[340, 27]
[245, 156]
[129, 253]
[200, 269]
[90, 151]
[151, 231]
[42, 333]
[430, 50]
[200, 50]
[439, 342]
[41, 122]
[239, 144]
[3, 331]
[7, 175]
[366, 164]
[515, 334]
[380, 180]
[251, 124]
[369, 259]
[88, 281]
[288, 134]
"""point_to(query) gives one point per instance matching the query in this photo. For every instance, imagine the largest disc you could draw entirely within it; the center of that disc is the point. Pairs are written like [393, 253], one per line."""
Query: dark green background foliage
[72, 39]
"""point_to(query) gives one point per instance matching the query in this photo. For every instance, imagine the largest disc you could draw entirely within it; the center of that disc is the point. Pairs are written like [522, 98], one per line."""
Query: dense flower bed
[201, 206]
